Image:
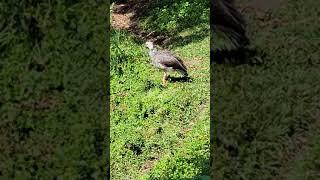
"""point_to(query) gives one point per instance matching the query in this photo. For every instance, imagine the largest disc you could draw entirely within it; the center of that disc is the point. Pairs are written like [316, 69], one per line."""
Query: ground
[157, 132]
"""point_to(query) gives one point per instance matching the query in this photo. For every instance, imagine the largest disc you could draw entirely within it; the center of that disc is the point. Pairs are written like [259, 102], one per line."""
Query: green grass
[172, 17]
[150, 123]
[266, 113]
[190, 158]
[158, 131]
[52, 120]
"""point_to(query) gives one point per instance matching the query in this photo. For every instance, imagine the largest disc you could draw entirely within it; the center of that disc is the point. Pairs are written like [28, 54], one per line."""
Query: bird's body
[166, 61]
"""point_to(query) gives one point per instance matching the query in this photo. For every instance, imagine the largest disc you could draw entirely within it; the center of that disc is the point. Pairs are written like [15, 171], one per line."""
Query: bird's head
[149, 44]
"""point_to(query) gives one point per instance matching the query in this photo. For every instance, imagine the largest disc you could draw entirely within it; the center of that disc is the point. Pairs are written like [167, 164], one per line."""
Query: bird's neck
[152, 51]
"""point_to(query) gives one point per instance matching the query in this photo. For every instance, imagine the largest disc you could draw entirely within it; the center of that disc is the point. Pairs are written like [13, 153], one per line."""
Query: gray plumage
[166, 61]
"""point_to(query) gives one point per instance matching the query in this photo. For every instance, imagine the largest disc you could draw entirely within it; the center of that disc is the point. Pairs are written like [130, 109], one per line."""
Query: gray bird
[166, 61]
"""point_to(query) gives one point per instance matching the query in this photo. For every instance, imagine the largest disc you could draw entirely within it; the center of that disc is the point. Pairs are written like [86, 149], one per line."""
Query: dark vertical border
[107, 90]
[212, 119]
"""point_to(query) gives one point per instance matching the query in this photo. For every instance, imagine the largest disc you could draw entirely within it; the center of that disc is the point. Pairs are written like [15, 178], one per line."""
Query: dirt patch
[121, 21]
[266, 4]
[194, 63]
[148, 165]
[125, 17]
[261, 5]
[261, 11]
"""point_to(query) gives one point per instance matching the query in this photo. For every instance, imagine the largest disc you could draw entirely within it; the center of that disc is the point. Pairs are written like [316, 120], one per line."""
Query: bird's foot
[164, 82]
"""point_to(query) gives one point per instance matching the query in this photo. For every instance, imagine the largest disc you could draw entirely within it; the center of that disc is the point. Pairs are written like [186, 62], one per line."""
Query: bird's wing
[176, 57]
[168, 59]
[224, 13]
[182, 64]
[227, 20]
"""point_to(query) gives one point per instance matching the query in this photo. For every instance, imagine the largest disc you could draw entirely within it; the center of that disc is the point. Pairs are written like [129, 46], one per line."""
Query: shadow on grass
[205, 170]
[241, 56]
[156, 29]
[196, 36]
[179, 79]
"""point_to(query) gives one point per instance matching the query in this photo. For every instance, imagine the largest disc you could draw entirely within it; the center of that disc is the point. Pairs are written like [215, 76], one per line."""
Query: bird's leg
[165, 78]
[167, 75]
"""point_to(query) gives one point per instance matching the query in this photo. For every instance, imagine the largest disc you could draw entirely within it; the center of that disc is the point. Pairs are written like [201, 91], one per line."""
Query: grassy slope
[151, 124]
[267, 113]
[190, 156]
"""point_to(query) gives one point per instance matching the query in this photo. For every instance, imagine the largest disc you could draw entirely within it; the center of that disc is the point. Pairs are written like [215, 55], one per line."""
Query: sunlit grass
[149, 120]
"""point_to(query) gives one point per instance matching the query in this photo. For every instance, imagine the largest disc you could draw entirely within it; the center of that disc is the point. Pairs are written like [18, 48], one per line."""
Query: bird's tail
[229, 22]
[184, 73]
[184, 70]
